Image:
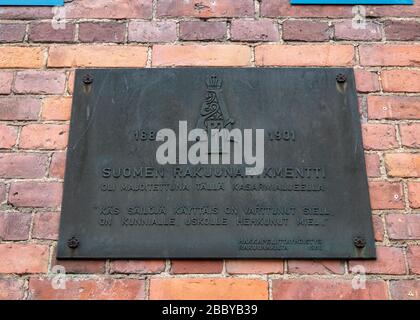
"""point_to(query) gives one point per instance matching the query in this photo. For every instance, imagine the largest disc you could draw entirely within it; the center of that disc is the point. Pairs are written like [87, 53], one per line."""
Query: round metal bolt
[341, 78]
[87, 78]
[73, 243]
[359, 242]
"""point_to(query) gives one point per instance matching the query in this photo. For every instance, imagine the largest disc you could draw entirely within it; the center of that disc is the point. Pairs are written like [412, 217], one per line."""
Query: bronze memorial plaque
[215, 163]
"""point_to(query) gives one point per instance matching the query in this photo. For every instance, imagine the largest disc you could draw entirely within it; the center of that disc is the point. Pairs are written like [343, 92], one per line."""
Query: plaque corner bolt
[359, 242]
[73, 243]
[341, 78]
[87, 78]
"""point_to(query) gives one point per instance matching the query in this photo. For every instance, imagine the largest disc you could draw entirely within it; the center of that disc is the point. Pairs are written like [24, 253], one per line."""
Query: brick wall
[37, 65]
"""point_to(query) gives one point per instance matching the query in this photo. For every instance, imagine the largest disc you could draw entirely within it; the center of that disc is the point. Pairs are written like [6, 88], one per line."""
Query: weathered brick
[393, 11]
[45, 32]
[389, 260]
[11, 289]
[402, 164]
[205, 8]
[15, 226]
[201, 55]
[202, 30]
[403, 226]
[196, 266]
[389, 55]
[19, 108]
[304, 55]
[276, 8]
[254, 30]
[46, 225]
[44, 136]
[346, 31]
[80, 266]
[414, 194]
[327, 289]
[101, 32]
[57, 166]
[379, 136]
[108, 9]
[2, 192]
[413, 257]
[105, 56]
[402, 30]
[88, 289]
[70, 81]
[305, 30]
[386, 195]
[12, 32]
[6, 79]
[372, 165]
[137, 266]
[315, 266]
[401, 80]
[254, 266]
[56, 108]
[209, 289]
[410, 135]
[40, 82]
[25, 13]
[405, 289]
[35, 194]
[23, 258]
[8, 136]
[378, 228]
[22, 165]
[146, 31]
[21, 57]
[366, 81]
[393, 107]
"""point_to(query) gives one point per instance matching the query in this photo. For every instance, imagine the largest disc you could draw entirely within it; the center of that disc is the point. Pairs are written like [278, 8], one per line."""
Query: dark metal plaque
[309, 201]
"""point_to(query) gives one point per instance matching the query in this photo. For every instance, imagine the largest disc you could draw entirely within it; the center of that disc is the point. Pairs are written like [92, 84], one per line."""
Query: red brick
[35, 194]
[304, 55]
[276, 8]
[23, 258]
[393, 107]
[202, 30]
[315, 266]
[21, 57]
[196, 266]
[413, 257]
[11, 289]
[254, 30]
[46, 225]
[389, 55]
[327, 289]
[389, 260]
[108, 9]
[6, 79]
[402, 30]
[137, 266]
[305, 30]
[366, 81]
[393, 11]
[146, 31]
[401, 80]
[56, 108]
[40, 82]
[379, 136]
[345, 31]
[25, 13]
[44, 136]
[372, 165]
[414, 194]
[15, 226]
[101, 32]
[12, 32]
[208, 289]
[45, 32]
[205, 8]
[201, 55]
[410, 135]
[405, 289]
[70, 82]
[80, 266]
[19, 108]
[88, 289]
[402, 164]
[386, 195]
[57, 166]
[378, 228]
[8, 136]
[254, 266]
[403, 226]
[22, 165]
